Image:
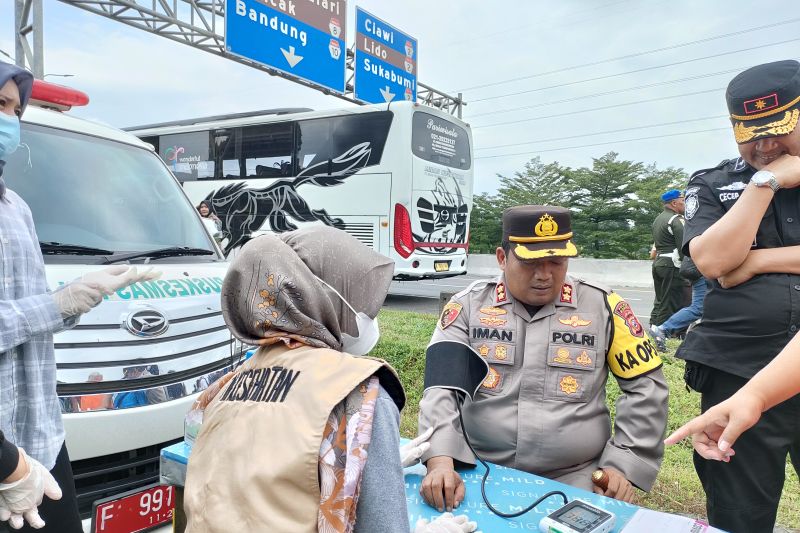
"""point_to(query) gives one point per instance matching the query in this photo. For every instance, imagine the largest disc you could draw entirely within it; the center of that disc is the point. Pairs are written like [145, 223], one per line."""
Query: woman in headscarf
[304, 436]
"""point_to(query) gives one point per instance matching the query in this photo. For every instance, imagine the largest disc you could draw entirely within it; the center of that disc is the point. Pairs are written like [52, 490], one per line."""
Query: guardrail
[613, 272]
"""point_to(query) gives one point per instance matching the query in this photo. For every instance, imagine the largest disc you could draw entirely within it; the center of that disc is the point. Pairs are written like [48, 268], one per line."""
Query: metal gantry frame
[197, 23]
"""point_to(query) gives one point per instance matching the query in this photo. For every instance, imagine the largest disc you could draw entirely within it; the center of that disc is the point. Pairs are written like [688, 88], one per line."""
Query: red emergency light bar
[56, 96]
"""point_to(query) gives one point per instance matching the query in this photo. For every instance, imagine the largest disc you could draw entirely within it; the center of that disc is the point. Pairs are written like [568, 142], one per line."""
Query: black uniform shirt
[743, 327]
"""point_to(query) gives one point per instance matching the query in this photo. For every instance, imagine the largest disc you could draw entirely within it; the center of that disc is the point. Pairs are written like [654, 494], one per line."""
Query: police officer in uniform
[743, 232]
[550, 341]
[668, 239]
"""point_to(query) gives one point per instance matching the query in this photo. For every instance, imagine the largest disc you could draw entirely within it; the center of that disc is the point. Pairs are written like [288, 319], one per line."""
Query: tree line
[613, 204]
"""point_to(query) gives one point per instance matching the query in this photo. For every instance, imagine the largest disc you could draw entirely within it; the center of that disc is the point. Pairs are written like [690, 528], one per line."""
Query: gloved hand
[22, 498]
[87, 291]
[446, 523]
[412, 451]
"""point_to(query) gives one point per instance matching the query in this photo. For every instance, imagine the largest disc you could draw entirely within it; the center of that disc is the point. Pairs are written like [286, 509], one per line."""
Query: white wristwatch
[765, 178]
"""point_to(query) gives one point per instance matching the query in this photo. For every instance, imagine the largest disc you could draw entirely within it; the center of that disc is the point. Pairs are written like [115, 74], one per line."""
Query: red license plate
[139, 510]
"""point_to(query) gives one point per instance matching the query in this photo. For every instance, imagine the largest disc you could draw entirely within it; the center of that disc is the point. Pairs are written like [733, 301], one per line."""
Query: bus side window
[267, 150]
[314, 144]
[226, 160]
[186, 155]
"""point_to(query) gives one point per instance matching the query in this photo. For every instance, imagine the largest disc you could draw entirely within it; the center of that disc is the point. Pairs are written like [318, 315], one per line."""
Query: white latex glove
[22, 498]
[446, 523]
[413, 450]
[86, 292]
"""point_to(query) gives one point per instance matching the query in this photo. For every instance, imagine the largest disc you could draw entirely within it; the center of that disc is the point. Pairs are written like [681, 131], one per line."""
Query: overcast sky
[685, 51]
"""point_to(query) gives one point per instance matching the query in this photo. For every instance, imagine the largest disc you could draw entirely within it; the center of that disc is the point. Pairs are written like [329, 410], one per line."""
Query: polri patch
[624, 311]
[449, 314]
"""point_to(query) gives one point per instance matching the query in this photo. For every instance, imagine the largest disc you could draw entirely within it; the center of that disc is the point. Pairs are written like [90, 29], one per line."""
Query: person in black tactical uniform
[743, 232]
[667, 239]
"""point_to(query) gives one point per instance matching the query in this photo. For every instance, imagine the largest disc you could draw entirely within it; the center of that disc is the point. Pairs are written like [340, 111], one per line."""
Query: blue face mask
[9, 135]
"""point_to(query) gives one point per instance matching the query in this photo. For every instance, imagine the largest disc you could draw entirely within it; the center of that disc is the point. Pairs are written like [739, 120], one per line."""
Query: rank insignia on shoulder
[583, 359]
[500, 293]
[492, 321]
[493, 311]
[492, 381]
[449, 314]
[575, 321]
[568, 384]
[566, 293]
[562, 356]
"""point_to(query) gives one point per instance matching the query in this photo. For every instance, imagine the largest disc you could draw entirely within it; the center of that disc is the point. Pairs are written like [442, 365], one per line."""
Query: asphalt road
[423, 296]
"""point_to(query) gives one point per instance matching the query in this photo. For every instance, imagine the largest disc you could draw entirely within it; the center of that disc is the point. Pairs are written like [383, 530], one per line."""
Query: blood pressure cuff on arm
[631, 353]
[454, 365]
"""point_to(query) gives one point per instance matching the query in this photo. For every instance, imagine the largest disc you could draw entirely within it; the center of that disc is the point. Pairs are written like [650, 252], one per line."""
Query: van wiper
[170, 251]
[60, 248]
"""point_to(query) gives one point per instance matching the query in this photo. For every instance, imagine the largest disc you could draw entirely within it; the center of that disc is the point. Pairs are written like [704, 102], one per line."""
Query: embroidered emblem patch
[566, 293]
[500, 293]
[500, 352]
[449, 314]
[583, 359]
[483, 350]
[562, 356]
[624, 311]
[691, 204]
[493, 311]
[575, 321]
[569, 385]
[492, 321]
[492, 381]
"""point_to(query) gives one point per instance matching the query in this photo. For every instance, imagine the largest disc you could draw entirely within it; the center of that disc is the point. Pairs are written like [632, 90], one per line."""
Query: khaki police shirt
[542, 409]
[668, 235]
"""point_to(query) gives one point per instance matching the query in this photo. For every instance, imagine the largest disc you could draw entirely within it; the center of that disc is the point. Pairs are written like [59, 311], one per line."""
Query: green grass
[404, 337]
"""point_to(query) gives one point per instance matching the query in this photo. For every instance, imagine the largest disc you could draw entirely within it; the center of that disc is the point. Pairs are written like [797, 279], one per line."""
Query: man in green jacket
[668, 239]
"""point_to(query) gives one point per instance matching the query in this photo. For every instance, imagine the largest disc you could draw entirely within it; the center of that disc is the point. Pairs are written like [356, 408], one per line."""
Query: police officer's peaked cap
[764, 101]
[538, 231]
[23, 78]
[671, 195]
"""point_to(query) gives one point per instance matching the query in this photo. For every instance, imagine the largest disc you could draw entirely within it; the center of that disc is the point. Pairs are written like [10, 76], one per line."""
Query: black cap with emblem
[764, 101]
[537, 231]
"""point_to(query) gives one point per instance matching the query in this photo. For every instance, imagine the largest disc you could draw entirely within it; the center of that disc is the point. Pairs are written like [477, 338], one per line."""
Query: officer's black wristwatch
[765, 178]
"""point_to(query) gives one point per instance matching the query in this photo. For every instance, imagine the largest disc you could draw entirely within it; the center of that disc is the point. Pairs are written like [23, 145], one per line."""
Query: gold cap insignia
[546, 227]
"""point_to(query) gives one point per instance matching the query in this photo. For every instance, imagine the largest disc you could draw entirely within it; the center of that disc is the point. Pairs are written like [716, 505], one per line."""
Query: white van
[128, 373]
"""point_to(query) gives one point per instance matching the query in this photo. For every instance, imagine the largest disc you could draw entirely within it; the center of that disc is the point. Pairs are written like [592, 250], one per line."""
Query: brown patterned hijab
[271, 292]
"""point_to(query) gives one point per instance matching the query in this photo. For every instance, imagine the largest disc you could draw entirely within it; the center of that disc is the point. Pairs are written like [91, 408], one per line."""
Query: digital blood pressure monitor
[578, 517]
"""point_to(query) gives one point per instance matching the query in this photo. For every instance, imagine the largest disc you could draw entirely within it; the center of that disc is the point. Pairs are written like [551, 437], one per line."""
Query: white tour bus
[397, 177]
[129, 371]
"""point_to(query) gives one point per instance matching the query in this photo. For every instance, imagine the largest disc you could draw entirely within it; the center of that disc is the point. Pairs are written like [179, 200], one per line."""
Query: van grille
[363, 232]
[108, 475]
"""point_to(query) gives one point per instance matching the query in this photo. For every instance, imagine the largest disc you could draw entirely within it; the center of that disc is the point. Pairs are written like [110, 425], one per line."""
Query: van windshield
[92, 192]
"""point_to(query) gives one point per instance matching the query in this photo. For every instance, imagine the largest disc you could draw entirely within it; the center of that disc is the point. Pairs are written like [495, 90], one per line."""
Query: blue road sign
[305, 39]
[385, 63]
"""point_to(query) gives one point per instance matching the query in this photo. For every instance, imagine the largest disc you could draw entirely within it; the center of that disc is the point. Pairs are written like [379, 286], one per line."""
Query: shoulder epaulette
[700, 172]
[474, 285]
[594, 285]
[736, 165]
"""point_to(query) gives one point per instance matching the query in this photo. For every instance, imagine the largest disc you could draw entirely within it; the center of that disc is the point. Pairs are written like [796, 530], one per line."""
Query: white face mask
[368, 330]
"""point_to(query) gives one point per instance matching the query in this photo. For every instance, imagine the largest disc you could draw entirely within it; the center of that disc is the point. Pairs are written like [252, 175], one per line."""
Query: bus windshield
[89, 192]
